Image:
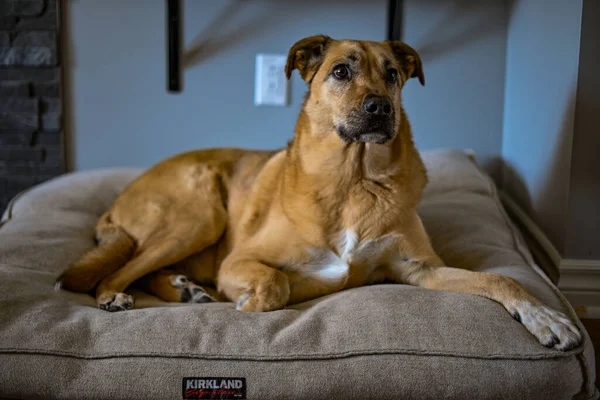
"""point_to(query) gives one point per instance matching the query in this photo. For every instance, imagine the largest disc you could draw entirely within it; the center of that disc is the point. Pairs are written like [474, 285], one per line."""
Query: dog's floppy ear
[306, 56]
[410, 60]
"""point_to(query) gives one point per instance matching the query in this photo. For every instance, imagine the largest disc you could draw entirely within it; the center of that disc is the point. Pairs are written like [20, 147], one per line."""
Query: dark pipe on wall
[174, 45]
[394, 23]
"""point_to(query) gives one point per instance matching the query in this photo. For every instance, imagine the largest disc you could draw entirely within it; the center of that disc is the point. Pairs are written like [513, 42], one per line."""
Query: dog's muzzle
[367, 130]
[379, 132]
[373, 124]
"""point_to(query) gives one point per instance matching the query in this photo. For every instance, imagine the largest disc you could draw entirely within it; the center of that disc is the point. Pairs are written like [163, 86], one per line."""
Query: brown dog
[335, 210]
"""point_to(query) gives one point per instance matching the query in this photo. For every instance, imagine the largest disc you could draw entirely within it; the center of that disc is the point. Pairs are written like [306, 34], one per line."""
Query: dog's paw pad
[180, 281]
[241, 301]
[553, 329]
[115, 302]
[195, 294]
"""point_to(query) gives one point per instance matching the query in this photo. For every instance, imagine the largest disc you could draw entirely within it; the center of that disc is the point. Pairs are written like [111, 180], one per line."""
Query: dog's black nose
[377, 105]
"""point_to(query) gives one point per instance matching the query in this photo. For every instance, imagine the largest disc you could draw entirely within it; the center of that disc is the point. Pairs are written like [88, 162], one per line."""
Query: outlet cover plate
[270, 83]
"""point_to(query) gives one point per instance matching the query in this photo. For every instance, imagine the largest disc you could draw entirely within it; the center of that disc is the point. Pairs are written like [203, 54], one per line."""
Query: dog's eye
[392, 75]
[341, 71]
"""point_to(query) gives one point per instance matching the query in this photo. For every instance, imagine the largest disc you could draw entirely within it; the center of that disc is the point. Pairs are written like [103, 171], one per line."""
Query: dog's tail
[115, 248]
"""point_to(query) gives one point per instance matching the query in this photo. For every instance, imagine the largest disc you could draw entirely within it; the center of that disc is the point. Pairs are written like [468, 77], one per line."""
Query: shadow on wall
[208, 42]
[547, 202]
[211, 40]
[474, 16]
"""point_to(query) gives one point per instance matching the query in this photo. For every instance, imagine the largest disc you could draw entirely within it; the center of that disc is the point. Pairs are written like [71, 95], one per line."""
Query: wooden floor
[593, 328]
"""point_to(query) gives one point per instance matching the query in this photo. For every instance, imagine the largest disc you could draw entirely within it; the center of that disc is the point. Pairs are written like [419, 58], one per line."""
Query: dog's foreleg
[253, 286]
[550, 327]
[418, 265]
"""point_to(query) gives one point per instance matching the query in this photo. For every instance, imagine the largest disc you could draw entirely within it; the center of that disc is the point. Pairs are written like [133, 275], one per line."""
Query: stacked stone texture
[30, 106]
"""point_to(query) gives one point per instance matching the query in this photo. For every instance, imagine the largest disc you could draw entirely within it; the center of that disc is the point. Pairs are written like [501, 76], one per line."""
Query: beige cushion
[385, 341]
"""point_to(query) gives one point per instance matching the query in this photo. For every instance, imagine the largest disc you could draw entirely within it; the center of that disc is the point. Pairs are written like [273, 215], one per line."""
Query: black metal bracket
[395, 15]
[174, 45]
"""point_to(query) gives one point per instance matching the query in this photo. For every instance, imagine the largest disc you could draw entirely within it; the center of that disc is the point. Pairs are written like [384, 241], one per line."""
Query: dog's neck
[332, 175]
[321, 158]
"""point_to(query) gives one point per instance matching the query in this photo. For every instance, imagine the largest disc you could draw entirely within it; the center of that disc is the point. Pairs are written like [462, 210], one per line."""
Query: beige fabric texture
[383, 341]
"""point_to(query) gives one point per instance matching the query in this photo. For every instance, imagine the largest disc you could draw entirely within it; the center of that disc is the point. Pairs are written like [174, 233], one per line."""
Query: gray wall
[121, 114]
[463, 46]
[542, 64]
[583, 222]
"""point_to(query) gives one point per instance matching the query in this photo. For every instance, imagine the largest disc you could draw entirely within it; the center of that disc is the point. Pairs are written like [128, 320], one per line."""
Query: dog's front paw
[264, 298]
[114, 302]
[258, 303]
[552, 328]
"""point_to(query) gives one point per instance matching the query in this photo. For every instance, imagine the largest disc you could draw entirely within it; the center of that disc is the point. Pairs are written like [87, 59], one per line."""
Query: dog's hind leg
[186, 235]
[184, 231]
[115, 248]
[171, 286]
[159, 252]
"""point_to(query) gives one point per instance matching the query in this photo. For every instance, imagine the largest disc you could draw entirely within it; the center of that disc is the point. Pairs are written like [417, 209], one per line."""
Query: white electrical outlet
[270, 84]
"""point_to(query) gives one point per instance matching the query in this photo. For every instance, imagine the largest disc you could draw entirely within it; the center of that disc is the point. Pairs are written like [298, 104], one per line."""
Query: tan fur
[275, 228]
[115, 248]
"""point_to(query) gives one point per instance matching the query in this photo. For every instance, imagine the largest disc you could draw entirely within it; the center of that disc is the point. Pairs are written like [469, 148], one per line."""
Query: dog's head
[354, 86]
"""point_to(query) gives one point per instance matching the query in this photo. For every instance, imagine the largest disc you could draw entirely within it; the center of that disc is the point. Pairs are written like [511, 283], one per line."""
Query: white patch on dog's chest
[333, 267]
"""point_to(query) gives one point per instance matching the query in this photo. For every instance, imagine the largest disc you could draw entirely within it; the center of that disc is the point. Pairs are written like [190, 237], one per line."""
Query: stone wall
[31, 149]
